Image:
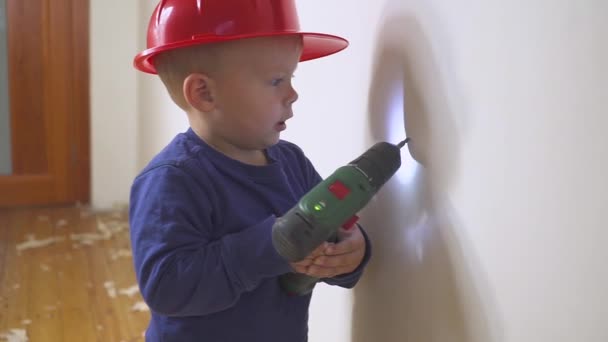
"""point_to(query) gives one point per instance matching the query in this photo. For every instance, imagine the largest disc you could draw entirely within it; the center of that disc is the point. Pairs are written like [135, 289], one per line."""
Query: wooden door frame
[70, 131]
[81, 114]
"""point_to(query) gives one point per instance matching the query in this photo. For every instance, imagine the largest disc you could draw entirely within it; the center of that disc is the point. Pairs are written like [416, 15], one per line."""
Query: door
[47, 99]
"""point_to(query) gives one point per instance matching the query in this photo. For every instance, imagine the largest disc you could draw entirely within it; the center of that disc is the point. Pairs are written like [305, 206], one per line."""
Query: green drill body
[331, 204]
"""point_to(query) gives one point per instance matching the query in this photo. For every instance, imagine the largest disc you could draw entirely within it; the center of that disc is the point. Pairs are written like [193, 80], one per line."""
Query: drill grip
[296, 234]
[297, 284]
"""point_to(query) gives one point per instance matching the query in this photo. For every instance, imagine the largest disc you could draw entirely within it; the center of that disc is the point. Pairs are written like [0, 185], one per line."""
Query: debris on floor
[106, 230]
[122, 253]
[44, 250]
[31, 242]
[109, 285]
[117, 214]
[140, 307]
[131, 291]
[111, 289]
[14, 335]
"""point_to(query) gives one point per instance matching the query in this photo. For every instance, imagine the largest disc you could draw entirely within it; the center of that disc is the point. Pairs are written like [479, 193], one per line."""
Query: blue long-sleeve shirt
[201, 236]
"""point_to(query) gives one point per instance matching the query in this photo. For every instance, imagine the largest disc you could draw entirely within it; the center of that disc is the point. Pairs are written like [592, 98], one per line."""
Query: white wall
[499, 234]
[160, 119]
[114, 110]
[131, 116]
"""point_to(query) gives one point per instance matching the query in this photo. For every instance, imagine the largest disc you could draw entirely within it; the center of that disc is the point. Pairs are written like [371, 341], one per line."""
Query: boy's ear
[199, 92]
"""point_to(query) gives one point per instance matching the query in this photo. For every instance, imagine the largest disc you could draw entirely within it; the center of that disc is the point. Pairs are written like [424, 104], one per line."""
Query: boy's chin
[273, 141]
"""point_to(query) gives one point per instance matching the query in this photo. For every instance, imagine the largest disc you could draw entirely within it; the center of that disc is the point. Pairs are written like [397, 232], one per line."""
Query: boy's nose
[293, 96]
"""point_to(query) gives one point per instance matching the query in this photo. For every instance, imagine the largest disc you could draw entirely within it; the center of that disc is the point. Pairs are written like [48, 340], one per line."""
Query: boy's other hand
[339, 258]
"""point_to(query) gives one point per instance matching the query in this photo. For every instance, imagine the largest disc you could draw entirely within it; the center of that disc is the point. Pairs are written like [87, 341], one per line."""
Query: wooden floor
[66, 274]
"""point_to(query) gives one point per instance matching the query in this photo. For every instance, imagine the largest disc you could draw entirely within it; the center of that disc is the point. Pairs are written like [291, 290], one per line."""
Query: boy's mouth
[281, 126]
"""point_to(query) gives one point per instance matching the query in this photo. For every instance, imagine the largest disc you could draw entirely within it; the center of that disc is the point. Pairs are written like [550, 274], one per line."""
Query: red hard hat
[180, 23]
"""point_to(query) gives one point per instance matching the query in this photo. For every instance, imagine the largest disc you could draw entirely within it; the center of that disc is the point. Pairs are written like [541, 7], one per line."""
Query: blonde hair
[174, 66]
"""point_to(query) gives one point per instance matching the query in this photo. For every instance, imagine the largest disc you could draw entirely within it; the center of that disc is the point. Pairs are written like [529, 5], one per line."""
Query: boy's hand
[339, 258]
[303, 265]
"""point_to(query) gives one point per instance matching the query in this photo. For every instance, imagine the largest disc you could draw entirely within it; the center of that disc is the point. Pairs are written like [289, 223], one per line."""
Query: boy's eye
[278, 81]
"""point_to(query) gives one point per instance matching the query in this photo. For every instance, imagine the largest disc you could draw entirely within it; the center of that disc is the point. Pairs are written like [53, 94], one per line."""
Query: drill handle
[297, 284]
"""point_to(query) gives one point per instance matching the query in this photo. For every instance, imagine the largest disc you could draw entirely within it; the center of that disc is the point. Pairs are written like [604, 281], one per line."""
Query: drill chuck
[379, 163]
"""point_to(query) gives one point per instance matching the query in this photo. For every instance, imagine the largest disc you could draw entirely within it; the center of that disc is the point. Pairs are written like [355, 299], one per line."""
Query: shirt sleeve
[181, 270]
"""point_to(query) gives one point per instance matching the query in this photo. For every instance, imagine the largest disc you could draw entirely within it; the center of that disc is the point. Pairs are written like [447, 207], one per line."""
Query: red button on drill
[350, 223]
[339, 189]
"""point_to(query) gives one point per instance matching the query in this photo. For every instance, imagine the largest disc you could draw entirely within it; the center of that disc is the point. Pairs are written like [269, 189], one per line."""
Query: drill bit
[401, 144]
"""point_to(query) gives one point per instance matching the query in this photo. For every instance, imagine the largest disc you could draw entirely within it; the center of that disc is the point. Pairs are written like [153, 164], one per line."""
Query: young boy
[202, 211]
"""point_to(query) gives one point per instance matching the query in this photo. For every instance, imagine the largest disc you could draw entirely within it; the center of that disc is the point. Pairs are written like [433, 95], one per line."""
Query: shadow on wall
[418, 286]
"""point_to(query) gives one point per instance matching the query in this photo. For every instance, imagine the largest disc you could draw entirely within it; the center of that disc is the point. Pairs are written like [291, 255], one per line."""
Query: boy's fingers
[330, 266]
[321, 272]
[338, 260]
[305, 262]
[343, 247]
[302, 265]
[332, 259]
[319, 250]
[327, 272]
[300, 268]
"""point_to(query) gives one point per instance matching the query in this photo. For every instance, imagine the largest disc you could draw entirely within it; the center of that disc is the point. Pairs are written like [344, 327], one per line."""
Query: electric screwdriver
[331, 204]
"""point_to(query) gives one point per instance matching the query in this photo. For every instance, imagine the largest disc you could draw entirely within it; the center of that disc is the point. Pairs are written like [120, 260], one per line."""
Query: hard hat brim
[315, 45]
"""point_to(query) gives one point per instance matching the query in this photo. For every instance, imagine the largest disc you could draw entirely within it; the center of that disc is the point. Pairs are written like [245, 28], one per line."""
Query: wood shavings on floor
[140, 307]
[106, 230]
[111, 290]
[109, 285]
[31, 242]
[78, 254]
[122, 253]
[15, 335]
[130, 292]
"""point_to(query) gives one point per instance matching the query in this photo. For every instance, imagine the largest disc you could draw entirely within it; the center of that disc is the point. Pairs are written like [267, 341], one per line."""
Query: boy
[202, 211]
